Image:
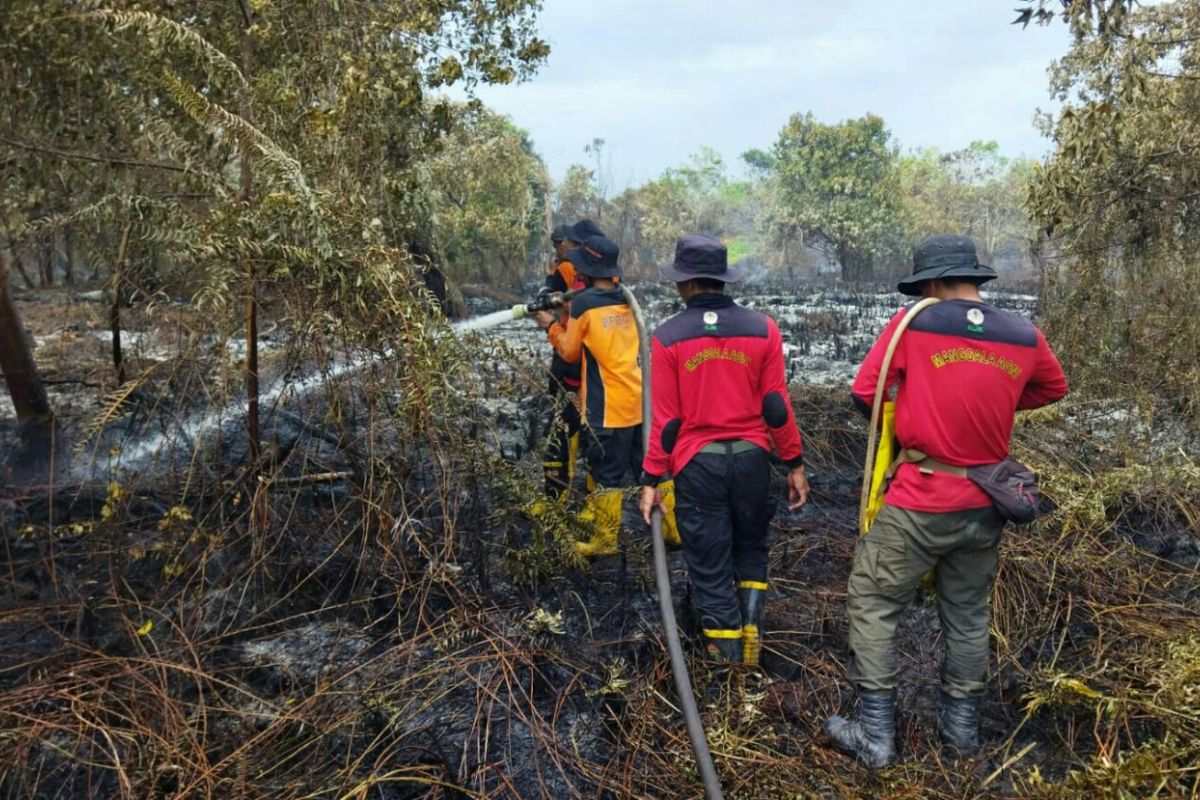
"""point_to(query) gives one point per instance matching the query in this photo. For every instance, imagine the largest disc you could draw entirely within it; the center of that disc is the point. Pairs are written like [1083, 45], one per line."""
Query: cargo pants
[961, 548]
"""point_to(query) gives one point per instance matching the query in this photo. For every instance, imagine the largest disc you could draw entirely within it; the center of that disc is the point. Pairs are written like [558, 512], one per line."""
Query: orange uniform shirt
[602, 335]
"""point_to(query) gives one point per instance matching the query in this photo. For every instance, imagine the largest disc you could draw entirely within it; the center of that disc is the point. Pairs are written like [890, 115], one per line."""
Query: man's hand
[797, 481]
[651, 497]
[543, 319]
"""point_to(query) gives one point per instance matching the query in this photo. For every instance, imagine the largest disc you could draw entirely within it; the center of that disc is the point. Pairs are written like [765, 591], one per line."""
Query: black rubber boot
[958, 723]
[871, 735]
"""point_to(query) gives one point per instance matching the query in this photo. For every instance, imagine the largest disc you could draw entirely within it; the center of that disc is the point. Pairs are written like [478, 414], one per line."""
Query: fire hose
[683, 681]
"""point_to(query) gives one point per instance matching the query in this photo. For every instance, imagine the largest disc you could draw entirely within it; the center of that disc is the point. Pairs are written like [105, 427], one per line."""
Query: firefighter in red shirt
[960, 372]
[720, 402]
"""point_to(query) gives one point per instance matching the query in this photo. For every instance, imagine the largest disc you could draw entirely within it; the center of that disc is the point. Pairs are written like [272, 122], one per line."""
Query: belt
[728, 447]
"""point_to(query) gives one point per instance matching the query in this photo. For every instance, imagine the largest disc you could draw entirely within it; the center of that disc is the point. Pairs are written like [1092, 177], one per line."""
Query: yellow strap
[881, 474]
[753, 585]
[723, 634]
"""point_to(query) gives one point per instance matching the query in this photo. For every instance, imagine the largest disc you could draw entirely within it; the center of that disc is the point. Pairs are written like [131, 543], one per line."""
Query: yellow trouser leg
[602, 508]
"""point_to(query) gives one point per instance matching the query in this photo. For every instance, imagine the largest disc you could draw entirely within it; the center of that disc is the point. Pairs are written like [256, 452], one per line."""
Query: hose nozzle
[545, 302]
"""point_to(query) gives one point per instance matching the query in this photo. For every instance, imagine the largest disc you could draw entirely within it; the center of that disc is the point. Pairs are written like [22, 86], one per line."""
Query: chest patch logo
[710, 320]
[975, 320]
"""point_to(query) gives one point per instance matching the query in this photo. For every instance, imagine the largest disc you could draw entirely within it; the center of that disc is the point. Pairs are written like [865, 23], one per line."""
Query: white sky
[658, 79]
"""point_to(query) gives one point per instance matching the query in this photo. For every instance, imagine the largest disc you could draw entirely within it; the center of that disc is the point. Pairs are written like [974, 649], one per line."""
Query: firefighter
[562, 443]
[720, 402]
[961, 371]
[601, 336]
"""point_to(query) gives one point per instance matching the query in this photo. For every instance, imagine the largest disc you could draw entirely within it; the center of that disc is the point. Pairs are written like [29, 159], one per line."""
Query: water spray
[547, 302]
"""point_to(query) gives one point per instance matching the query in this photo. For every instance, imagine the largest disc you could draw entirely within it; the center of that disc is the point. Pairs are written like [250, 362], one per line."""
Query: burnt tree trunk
[46, 261]
[69, 257]
[247, 187]
[114, 310]
[24, 384]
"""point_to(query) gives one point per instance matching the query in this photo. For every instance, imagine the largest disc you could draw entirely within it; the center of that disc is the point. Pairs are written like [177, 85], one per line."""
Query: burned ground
[401, 628]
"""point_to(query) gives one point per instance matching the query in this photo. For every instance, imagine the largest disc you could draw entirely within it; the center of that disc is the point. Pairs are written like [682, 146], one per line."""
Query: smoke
[752, 269]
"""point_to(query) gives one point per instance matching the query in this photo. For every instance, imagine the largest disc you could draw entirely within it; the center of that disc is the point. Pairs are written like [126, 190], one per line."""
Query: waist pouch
[1009, 484]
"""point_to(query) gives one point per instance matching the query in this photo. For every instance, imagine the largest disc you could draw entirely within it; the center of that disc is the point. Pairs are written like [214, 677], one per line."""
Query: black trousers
[565, 423]
[723, 507]
[614, 456]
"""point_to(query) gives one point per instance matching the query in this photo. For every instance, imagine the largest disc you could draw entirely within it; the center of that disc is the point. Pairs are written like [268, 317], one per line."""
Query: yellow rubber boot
[602, 509]
[670, 529]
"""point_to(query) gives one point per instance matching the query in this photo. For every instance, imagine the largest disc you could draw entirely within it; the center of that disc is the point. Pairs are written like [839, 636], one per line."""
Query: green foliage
[841, 181]
[645, 221]
[488, 187]
[293, 138]
[975, 192]
[1118, 204]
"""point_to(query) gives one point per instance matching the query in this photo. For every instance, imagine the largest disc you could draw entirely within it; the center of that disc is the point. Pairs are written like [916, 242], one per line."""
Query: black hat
[596, 258]
[561, 233]
[944, 256]
[699, 256]
[583, 230]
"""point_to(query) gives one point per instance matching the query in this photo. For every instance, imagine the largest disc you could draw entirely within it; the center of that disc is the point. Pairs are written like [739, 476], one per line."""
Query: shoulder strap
[877, 405]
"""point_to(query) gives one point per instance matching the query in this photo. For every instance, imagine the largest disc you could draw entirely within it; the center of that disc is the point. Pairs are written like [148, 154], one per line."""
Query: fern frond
[112, 407]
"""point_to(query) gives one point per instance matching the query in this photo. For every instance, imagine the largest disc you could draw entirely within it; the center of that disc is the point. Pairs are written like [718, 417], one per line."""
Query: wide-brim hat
[699, 256]
[942, 257]
[596, 258]
[561, 233]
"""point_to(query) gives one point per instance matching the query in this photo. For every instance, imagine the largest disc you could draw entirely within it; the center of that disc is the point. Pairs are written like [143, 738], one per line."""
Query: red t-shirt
[961, 371]
[717, 373]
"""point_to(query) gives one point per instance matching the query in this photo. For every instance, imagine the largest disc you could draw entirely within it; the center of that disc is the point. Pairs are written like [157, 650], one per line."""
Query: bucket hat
[944, 256]
[561, 233]
[596, 257]
[699, 256]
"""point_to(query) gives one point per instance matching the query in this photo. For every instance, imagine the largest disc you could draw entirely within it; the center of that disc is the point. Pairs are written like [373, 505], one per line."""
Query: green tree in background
[842, 181]
[489, 189]
[975, 192]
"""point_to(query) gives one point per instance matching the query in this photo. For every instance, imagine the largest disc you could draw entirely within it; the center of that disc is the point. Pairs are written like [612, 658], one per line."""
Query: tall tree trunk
[24, 384]
[15, 259]
[69, 256]
[247, 187]
[787, 258]
[114, 310]
[46, 261]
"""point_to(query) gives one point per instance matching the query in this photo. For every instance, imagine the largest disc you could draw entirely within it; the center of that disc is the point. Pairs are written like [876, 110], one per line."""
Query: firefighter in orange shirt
[601, 335]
